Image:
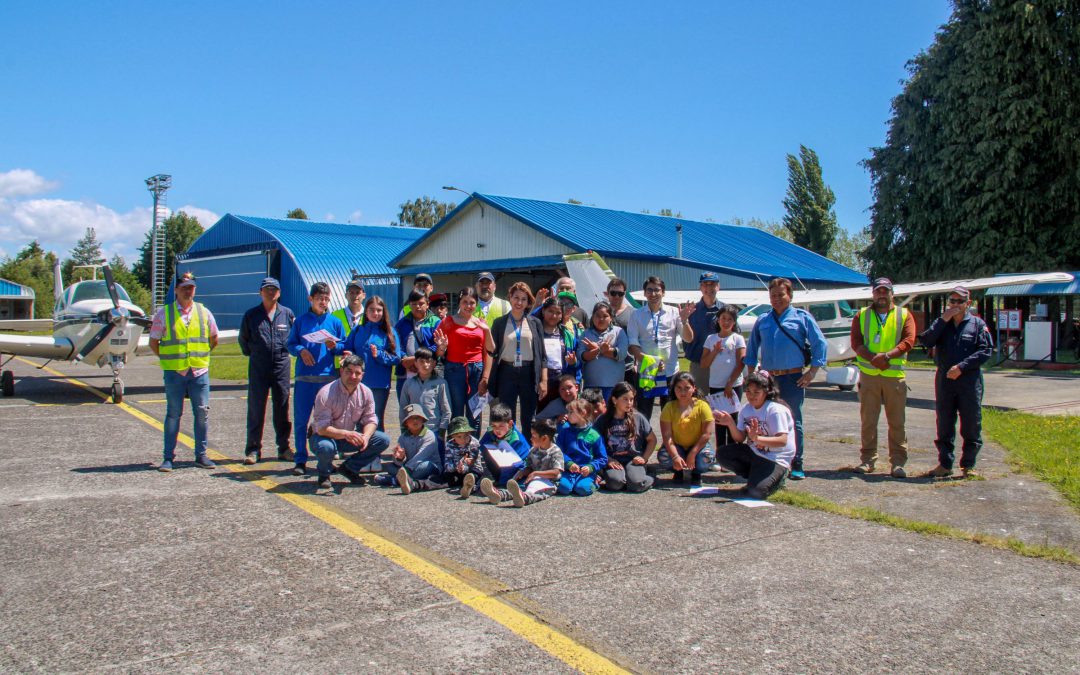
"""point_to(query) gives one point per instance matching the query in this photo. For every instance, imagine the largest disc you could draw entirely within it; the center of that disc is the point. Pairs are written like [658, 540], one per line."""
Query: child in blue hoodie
[502, 430]
[583, 450]
[314, 363]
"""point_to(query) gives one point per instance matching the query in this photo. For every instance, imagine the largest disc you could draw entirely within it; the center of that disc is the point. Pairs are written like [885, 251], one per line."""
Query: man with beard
[489, 307]
[881, 337]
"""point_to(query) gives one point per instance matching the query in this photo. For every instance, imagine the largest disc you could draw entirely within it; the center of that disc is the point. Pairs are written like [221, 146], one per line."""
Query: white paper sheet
[477, 403]
[321, 336]
[752, 503]
[722, 403]
[502, 455]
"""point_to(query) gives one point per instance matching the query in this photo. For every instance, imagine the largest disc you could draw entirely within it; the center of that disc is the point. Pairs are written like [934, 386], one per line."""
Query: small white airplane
[831, 308]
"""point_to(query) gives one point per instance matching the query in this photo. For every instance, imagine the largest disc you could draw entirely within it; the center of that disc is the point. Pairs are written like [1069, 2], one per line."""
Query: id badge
[517, 360]
[877, 338]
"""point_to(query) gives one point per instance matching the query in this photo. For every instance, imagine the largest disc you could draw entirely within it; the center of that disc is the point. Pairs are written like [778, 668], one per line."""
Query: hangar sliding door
[229, 284]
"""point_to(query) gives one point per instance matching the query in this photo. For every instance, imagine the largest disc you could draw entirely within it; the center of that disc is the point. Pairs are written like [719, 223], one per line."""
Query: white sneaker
[468, 484]
[489, 490]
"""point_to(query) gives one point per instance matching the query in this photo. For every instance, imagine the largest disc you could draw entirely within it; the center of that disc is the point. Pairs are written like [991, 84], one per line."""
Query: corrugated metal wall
[229, 285]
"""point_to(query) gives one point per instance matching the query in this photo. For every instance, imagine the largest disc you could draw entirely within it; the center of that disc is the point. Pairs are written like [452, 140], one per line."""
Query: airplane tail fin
[58, 281]
[591, 276]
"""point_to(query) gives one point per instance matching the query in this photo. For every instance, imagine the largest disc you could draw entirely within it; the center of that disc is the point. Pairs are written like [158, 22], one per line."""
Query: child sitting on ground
[583, 450]
[416, 454]
[764, 438]
[463, 464]
[543, 467]
[502, 431]
[556, 410]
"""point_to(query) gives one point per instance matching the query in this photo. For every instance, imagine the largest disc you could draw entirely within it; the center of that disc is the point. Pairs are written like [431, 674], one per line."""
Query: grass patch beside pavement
[1046, 446]
[805, 500]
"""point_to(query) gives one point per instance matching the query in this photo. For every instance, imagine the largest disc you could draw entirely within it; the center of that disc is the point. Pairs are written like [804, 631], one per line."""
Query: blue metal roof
[734, 248]
[314, 251]
[1070, 288]
[10, 289]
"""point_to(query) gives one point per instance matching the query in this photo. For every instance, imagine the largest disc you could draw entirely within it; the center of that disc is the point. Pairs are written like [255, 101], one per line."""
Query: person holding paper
[583, 450]
[542, 470]
[764, 436]
[466, 343]
[315, 339]
[630, 442]
[503, 446]
[723, 355]
[374, 341]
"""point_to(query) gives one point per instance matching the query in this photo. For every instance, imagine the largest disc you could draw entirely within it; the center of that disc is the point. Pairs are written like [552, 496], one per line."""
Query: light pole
[451, 187]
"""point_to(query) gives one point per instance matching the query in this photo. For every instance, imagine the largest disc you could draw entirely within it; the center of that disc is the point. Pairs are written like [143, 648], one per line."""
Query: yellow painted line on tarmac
[523, 624]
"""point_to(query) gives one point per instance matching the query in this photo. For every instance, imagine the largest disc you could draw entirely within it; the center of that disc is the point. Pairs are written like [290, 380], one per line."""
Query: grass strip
[1046, 446]
[805, 500]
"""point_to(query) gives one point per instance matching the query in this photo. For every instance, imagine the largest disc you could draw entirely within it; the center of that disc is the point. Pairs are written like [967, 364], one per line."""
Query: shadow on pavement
[120, 468]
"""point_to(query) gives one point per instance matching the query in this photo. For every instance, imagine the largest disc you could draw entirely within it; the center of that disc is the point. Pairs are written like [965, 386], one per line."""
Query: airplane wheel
[118, 392]
[7, 383]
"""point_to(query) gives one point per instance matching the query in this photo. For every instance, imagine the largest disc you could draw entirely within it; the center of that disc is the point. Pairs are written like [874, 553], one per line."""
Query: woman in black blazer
[519, 372]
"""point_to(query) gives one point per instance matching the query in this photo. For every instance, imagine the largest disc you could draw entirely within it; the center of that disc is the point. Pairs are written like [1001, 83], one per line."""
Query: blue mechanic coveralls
[967, 345]
[310, 379]
[265, 342]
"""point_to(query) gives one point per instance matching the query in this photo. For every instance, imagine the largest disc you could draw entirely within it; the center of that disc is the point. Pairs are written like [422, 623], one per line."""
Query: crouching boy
[543, 468]
[416, 456]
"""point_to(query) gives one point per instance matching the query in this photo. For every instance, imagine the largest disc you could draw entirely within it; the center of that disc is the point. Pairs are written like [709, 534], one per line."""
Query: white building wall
[501, 237]
[676, 277]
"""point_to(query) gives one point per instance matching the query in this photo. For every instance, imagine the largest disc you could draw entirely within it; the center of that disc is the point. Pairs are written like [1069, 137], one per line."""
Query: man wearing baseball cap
[263, 338]
[182, 335]
[962, 344]
[489, 307]
[703, 321]
[352, 314]
[881, 337]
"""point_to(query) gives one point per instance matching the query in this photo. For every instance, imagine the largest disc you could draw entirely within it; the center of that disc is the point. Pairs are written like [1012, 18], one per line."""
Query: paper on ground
[752, 503]
[704, 490]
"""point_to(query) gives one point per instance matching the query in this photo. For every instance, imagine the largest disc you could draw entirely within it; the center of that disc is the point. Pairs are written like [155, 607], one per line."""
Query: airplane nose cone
[118, 316]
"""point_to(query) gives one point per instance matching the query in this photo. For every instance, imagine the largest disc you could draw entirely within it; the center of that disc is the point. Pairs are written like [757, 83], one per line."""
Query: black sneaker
[299, 470]
[695, 477]
[324, 483]
[354, 478]
[204, 462]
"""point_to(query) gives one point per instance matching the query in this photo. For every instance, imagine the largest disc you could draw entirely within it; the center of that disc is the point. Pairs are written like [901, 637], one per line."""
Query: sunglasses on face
[956, 301]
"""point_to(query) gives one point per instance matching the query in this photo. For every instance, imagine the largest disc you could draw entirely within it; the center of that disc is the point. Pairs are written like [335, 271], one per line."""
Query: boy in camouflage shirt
[543, 467]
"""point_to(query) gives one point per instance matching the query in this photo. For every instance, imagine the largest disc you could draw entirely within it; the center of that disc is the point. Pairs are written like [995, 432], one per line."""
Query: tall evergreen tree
[87, 250]
[809, 203]
[980, 171]
[181, 231]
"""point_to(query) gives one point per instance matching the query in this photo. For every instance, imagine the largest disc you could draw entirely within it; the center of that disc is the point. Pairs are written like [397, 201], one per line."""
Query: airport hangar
[16, 300]
[515, 239]
[232, 257]
[524, 240]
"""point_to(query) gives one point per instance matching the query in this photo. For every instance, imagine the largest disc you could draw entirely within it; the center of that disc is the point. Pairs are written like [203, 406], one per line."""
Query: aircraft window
[96, 290]
[755, 310]
[846, 310]
[823, 312]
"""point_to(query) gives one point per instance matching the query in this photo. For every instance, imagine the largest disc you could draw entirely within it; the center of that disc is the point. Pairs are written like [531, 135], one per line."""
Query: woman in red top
[466, 343]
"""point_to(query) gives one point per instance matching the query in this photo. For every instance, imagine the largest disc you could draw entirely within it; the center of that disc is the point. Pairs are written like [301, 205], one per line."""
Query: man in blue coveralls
[789, 340]
[315, 362]
[962, 344]
[263, 338]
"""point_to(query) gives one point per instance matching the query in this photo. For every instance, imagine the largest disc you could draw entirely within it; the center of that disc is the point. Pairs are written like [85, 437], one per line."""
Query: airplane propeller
[117, 316]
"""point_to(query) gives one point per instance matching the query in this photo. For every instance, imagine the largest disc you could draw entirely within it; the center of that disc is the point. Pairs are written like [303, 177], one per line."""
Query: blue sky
[346, 110]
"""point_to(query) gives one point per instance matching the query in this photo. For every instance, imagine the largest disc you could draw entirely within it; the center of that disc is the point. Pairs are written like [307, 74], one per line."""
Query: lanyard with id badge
[517, 334]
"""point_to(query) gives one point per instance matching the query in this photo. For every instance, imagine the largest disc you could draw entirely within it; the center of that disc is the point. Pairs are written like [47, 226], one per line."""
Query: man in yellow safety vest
[881, 336]
[182, 335]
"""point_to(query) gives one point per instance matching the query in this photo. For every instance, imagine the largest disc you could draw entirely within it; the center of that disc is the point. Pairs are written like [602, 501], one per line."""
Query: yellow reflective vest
[182, 347]
[880, 337]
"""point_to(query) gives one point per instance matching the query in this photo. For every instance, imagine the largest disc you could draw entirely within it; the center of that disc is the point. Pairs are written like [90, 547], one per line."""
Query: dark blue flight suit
[967, 345]
[265, 342]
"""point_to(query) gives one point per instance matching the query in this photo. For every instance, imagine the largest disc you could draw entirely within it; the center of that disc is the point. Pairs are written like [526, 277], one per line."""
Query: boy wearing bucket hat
[416, 456]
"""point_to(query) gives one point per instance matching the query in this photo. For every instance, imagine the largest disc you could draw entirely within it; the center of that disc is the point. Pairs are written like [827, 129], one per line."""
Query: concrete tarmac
[112, 565]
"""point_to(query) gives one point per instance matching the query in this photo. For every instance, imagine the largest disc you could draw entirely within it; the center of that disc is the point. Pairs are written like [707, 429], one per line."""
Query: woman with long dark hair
[630, 441]
[373, 340]
[518, 371]
[466, 343]
[686, 425]
[559, 348]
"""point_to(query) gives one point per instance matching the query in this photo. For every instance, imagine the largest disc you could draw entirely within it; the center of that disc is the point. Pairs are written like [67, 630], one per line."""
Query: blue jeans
[327, 448]
[177, 387]
[702, 462]
[794, 396]
[422, 471]
[381, 396]
[463, 379]
[575, 483]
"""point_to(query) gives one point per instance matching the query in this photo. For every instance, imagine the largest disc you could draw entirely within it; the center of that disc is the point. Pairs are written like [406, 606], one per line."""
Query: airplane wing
[225, 337]
[26, 324]
[909, 291]
[37, 346]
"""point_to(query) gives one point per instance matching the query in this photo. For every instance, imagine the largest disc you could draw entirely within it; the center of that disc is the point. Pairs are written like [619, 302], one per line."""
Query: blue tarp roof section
[638, 235]
[1070, 288]
[10, 289]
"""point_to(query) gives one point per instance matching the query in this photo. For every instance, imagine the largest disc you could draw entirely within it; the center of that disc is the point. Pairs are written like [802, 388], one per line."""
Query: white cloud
[355, 216]
[206, 217]
[329, 218]
[23, 183]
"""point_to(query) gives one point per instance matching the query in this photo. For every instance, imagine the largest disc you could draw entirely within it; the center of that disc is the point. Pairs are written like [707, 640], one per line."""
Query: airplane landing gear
[7, 383]
[116, 363]
[118, 392]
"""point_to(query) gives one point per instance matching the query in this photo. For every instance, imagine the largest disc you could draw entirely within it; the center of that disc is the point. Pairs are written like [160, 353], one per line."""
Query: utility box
[1038, 341]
